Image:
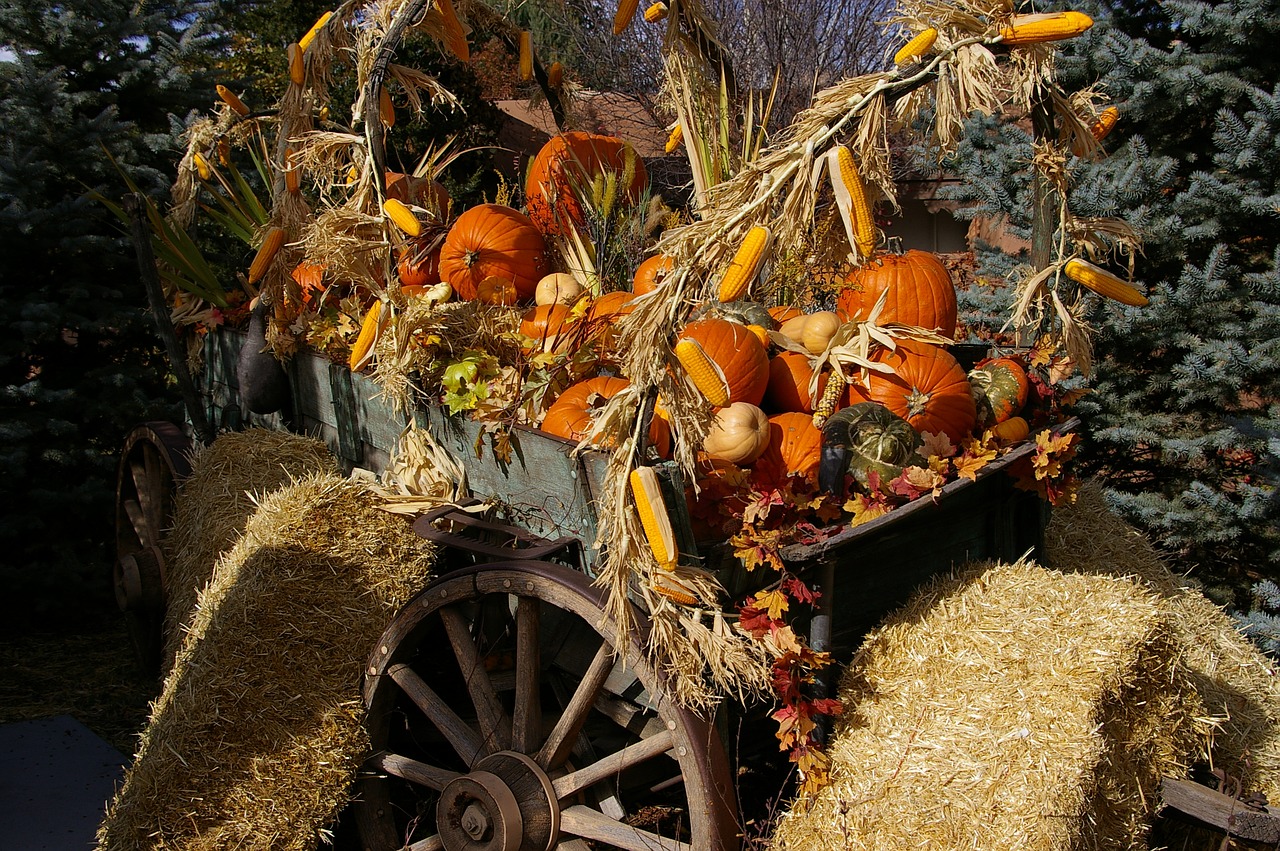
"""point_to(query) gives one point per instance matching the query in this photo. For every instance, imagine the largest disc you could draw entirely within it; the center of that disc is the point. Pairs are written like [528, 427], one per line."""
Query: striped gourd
[852, 201]
[705, 373]
[311, 34]
[622, 18]
[232, 100]
[675, 137]
[745, 265]
[647, 493]
[375, 320]
[1103, 282]
[918, 46]
[656, 12]
[1054, 26]
[267, 251]
[526, 55]
[297, 64]
[829, 399]
[402, 217]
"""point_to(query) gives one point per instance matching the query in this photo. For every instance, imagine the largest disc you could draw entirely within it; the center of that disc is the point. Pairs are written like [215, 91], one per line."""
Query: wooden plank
[1260, 824]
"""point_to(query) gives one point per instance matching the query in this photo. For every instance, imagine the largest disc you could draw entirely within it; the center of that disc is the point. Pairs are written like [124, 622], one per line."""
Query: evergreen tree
[1184, 420]
[78, 360]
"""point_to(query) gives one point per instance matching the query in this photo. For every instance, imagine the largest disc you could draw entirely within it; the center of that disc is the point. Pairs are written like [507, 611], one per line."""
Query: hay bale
[1014, 707]
[257, 733]
[214, 503]
[1236, 682]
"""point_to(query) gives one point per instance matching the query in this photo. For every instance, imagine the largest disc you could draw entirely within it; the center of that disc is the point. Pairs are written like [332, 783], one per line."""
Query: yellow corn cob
[829, 399]
[675, 137]
[647, 493]
[851, 200]
[202, 166]
[291, 176]
[1106, 122]
[353, 174]
[311, 34]
[655, 13]
[673, 589]
[266, 253]
[297, 65]
[526, 55]
[1033, 29]
[230, 99]
[1103, 282]
[455, 36]
[622, 18]
[375, 320]
[386, 109]
[705, 373]
[917, 47]
[555, 75]
[745, 265]
[402, 217]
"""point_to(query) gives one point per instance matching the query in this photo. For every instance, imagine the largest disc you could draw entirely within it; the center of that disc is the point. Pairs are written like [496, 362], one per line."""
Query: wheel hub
[137, 580]
[506, 803]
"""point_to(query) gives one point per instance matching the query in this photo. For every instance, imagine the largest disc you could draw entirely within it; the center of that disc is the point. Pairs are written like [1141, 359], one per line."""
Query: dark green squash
[741, 312]
[863, 438]
[999, 387]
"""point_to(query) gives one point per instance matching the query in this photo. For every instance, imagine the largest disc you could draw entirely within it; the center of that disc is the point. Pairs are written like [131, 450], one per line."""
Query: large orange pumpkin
[929, 389]
[920, 291]
[571, 415]
[795, 446]
[649, 274]
[738, 353]
[788, 389]
[493, 240]
[566, 165]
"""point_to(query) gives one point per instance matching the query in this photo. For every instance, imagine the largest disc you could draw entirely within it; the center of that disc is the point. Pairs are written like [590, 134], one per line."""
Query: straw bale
[1237, 683]
[214, 503]
[1012, 707]
[257, 734]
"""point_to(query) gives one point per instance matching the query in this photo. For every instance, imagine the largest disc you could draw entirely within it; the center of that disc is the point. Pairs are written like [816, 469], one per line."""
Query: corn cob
[1033, 29]
[230, 99]
[292, 182]
[917, 47]
[311, 34]
[622, 18]
[829, 399]
[674, 590]
[202, 166]
[1103, 282]
[267, 251]
[1106, 122]
[402, 217]
[526, 55]
[647, 493]
[745, 265]
[705, 373]
[675, 137]
[375, 320]
[224, 151]
[455, 36]
[297, 65]
[656, 12]
[555, 75]
[1011, 430]
[851, 199]
[386, 109]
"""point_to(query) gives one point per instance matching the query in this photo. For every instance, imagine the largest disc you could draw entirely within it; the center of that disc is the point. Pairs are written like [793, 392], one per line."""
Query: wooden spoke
[463, 739]
[613, 764]
[527, 723]
[411, 770]
[573, 845]
[431, 843]
[558, 745]
[495, 726]
[138, 520]
[587, 823]
[146, 489]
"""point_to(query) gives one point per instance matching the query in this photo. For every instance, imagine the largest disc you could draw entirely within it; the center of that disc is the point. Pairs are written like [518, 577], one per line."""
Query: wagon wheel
[154, 461]
[499, 720]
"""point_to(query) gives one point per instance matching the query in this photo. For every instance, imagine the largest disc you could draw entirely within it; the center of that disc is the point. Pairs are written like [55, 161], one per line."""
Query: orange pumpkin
[546, 325]
[496, 289]
[417, 264]
[610, 306]
[649, 274]
[493, 240]
[571, 415]
[737, 352]
[920, 291]
[428, 194]
[781, 313]
[788, 388]
[795, 447]
[929, 389]
[566, 165]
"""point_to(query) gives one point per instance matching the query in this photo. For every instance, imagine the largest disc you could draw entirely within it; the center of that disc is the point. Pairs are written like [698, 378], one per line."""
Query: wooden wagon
[539, 725]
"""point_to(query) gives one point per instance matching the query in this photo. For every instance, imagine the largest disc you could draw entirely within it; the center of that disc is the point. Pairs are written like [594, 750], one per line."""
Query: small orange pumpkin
[928, 389]
[493, 240]
[546, 325]
[781, 313]
[431, 195]
[649, 274]
[496, 289]
[571, 415]
[738, 434]
[788, 388]
[566, 165]
[417, 264]
[737, 352]
[795, 447]
[920, 291]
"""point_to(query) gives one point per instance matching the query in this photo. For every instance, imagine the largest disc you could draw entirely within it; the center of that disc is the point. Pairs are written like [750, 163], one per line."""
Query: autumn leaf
[863, 510]
[935, 446]
[774, 602]
[798, 591]
[755, 621]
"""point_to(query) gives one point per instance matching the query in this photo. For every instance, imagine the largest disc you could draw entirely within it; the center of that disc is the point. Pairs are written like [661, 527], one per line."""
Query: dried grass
[1013, 707]
[257, 734]
[1235, 681]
